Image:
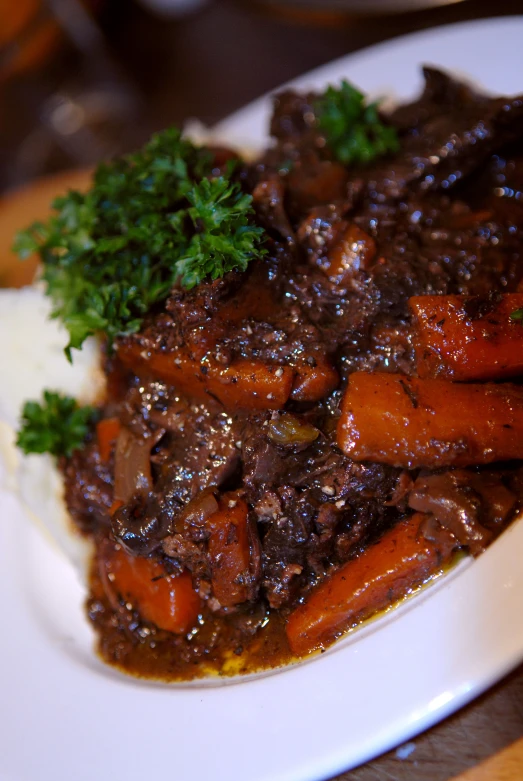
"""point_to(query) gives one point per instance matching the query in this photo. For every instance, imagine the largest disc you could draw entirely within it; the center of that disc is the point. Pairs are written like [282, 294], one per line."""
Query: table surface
[207, 65]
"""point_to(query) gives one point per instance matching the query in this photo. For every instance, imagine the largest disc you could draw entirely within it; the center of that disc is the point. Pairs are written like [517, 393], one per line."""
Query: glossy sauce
[216, 647]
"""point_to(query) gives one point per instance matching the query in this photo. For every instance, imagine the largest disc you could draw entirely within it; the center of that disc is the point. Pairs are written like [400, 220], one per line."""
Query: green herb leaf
[352, 128]
[58, 426]
[224, 238]
[149, 220]
[517, 314]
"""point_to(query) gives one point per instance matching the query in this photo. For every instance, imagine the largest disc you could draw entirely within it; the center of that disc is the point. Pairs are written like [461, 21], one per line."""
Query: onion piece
[285, 429]
[132, 464]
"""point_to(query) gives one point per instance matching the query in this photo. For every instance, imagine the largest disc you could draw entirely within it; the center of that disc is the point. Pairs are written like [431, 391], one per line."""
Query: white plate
[66, 717]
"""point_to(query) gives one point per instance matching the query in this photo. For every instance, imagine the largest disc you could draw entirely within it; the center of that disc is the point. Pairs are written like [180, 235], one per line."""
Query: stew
[287, 449]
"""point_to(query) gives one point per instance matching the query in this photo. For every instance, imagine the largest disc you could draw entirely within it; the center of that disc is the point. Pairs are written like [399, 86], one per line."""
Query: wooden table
[473, 734]
[209, 64]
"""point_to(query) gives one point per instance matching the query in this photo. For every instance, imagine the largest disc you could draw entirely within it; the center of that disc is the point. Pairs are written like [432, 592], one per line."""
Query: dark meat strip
[472, 506]
[449, 133]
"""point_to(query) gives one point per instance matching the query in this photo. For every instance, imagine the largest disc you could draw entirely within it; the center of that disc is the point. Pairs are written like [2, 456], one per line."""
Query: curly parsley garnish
[58, 426]
[352, 128]
[150, 219]
[222, 237]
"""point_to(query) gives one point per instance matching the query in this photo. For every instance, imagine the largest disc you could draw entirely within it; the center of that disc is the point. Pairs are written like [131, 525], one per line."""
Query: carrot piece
[468, 337]
[230, 546]
[250, 384]
[408, 422]
[176, 368]
[107, 431]
[380, 576]
[313, 383]
[115, 506]
[246, 384]
[351, 254]
[168, 601]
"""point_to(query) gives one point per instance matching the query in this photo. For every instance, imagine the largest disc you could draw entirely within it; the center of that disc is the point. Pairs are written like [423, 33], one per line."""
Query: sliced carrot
[168, 601]
[468, 337]
[380, 576]
[176, 368]
[313, 383]
[246, 384]
[409, 422]
[107, 431]
[250, 384]
[230, 546]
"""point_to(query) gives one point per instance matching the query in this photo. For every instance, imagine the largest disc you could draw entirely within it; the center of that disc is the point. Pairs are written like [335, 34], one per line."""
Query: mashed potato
[31, 359]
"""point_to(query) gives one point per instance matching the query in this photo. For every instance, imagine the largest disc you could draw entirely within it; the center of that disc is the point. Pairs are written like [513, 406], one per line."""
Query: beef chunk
[88, 486]
[445, 136]
[198, 448]
[472, 506]
[293, 116]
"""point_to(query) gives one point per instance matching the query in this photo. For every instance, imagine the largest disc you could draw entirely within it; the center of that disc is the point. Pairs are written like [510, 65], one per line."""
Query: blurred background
[81, 80]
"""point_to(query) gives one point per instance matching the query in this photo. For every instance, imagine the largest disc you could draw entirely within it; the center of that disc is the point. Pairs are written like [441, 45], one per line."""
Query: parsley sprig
[150, 219]
[223, 239]
[352, 127]
[57, 426]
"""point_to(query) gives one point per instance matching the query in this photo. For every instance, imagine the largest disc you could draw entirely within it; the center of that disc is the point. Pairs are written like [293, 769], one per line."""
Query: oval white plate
[65, 716]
